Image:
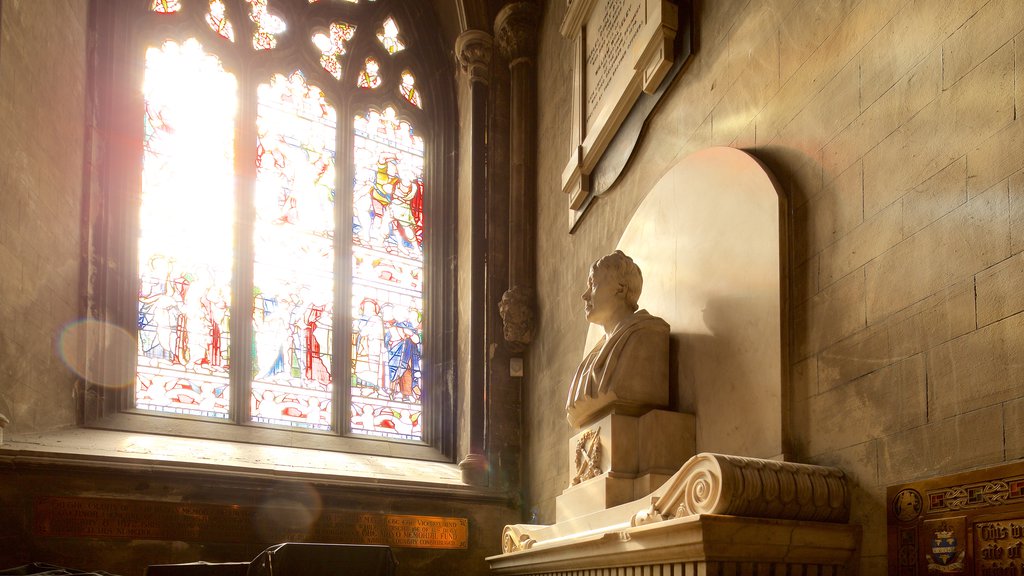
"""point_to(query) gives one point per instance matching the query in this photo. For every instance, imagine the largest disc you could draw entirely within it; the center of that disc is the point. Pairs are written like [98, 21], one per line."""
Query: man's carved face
[603, 297]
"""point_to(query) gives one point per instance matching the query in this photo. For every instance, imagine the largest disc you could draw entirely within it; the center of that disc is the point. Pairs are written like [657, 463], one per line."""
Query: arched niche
[710, 240]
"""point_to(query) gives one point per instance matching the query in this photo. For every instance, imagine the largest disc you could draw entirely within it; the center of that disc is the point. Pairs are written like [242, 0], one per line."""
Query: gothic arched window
[281, 188]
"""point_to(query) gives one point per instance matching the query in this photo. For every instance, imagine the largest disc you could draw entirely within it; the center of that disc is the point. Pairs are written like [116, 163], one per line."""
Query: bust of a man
[627, 371]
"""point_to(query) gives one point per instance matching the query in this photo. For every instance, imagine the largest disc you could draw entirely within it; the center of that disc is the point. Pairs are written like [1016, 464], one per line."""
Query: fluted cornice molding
[473, 49]
[515, 30]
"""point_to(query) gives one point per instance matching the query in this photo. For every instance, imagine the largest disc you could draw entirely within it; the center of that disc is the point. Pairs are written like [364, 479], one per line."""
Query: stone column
[516, 32]
[473, 49]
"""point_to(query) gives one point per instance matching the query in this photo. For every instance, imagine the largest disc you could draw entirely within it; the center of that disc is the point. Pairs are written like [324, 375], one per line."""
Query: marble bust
[627, 371]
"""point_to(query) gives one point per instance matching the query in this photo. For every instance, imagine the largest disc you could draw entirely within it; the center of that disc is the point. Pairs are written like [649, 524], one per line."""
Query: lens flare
[289, 514]
[98, 351]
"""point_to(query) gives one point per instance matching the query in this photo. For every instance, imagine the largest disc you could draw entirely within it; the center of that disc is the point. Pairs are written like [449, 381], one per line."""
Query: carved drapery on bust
[627, 371]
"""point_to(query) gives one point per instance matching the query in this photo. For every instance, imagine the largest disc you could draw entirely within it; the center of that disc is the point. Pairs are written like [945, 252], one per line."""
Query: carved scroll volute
[516, 537]
[719, 484]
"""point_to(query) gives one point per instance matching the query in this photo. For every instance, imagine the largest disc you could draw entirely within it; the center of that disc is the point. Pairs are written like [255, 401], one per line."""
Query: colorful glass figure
[388, 36]
[218, 20]
[268, 26]
[186, 232]
[333, 47]
[387, 277]
[370, 75]
[408, 89]
[165, 6]
[293, 272]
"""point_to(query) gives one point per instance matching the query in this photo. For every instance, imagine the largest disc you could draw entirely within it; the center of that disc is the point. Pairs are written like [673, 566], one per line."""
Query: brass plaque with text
[77, 517]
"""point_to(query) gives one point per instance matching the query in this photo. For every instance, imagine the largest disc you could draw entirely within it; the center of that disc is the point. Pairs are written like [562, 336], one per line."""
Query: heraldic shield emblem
[944, 557]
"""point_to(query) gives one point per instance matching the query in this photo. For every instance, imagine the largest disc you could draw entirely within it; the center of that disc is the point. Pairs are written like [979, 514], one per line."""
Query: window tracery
[254, 306]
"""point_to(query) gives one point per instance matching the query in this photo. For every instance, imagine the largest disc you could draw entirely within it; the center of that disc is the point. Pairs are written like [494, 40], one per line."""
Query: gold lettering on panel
[197, 522]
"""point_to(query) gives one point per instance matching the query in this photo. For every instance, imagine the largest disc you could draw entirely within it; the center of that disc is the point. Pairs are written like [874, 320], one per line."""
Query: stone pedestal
[621, 458]
[717, 515]
[699, 545]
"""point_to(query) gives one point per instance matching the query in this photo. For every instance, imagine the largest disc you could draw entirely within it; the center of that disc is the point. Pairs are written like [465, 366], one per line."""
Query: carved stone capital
[515, 29]
[473, 49]
[517, 317]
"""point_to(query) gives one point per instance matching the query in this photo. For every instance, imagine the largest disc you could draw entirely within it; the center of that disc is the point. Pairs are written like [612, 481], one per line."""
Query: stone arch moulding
[710, 238]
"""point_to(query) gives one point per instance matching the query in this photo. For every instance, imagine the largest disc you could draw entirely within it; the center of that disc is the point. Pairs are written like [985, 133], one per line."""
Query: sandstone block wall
[894, 129]
[42, 122]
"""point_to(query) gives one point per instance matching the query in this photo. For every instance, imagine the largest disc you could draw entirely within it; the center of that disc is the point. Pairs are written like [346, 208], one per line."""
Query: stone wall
[892, 127]
[42, 120]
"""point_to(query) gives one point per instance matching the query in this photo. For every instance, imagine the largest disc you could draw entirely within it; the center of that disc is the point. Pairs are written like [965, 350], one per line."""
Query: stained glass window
[369, 77]
[388, 37]
[408, 89]
[186, 230]
[218, 20]
[165, 6]
[333, 47]
[294, 255]
[253, 307]
[268, 26]
[387, 276]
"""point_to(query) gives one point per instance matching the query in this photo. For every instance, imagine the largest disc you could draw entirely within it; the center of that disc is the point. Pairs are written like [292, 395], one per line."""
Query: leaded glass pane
[408, 89]
[293, 273]
[334, 46]
[165, 6]
[387, 277]
[218, 20]
[185, 247]
[388, 37]
[370, 75]
[268, 26]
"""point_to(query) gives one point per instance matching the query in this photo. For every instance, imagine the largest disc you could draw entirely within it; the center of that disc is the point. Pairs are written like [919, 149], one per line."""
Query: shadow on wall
[707, 237]
[712, 373]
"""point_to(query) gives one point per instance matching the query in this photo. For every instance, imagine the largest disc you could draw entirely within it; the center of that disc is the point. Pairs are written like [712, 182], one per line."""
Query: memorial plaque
[73, 517]
[622, 48]
[966, 524]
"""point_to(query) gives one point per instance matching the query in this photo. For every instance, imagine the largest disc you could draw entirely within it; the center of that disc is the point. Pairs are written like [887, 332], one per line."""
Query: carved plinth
[706, 484]
[620, 458]
[704, 545]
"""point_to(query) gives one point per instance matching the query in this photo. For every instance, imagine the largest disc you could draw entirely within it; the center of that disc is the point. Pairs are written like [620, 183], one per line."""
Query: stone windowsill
[112, 450]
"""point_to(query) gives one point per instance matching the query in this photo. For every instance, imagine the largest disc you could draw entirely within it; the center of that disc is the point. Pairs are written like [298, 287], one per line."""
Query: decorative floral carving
[515, 29]
[588, 456]
[473, 49]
